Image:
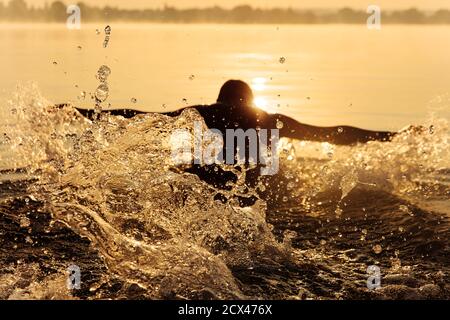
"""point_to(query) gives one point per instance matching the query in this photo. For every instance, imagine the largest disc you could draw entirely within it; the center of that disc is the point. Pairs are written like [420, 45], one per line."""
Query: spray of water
[113, 181]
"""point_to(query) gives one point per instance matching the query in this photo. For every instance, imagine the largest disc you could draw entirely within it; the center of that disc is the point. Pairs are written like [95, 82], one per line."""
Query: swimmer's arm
[341, 135]
[126, 113]
[175, 113]
[202, 109]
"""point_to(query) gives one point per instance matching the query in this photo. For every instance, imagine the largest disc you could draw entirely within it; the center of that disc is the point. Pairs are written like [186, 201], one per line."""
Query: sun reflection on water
[259, 86]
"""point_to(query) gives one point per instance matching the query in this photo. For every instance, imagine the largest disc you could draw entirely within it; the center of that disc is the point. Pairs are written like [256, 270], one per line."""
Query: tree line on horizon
[18, 10]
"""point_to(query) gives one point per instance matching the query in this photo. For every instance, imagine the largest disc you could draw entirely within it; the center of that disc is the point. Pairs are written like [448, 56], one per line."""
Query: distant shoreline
[18, 11]
[212, 23]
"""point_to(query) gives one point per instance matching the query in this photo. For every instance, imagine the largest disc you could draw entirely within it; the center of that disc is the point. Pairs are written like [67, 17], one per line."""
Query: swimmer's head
[236, 93]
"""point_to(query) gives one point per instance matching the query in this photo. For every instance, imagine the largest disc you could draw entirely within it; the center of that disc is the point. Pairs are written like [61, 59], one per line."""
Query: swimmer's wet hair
[236, 93]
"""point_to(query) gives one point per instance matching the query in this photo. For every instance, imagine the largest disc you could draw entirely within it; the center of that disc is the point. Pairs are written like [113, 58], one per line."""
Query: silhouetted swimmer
[235, 109]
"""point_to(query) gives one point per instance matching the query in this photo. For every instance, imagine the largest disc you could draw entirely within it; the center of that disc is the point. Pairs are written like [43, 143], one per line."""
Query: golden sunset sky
[359, 4]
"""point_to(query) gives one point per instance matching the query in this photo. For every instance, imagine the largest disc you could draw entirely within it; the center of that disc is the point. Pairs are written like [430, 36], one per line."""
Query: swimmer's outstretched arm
[126, 113]
[341, 135]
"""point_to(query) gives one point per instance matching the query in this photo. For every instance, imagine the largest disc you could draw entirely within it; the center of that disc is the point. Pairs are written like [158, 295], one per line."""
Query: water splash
[113, 182]
[107, 36]
[103, 73]
[102, 92]
[162, 230]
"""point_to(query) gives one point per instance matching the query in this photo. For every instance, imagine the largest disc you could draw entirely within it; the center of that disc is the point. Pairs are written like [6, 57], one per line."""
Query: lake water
[332, 74]
[106, 196]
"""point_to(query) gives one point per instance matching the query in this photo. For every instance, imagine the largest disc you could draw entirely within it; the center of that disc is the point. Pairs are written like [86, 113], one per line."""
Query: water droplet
[14, 111]
[80, 47]
[340, 130]
[191, 77]
[107, 36]
[133, 100]
[377, 249]
[323, 242]
[282, 60]
[82, 95]
[405, 209]
[290, 186]
[24, 222]
[97, 31]
[6, 139]
[396, 263]
[285, 199]
[103, 73]
[401, 229]
[184, 100]
[280, 124]
[102, 92]
[431, 129]
[288, 236]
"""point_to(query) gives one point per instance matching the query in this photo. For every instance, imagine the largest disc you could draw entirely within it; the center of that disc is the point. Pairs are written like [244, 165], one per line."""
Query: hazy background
[358, 4]
[323, 74]
[20, 11]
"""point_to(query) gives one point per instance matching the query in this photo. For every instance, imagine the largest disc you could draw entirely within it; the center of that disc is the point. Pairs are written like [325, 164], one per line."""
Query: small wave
[160, 232]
